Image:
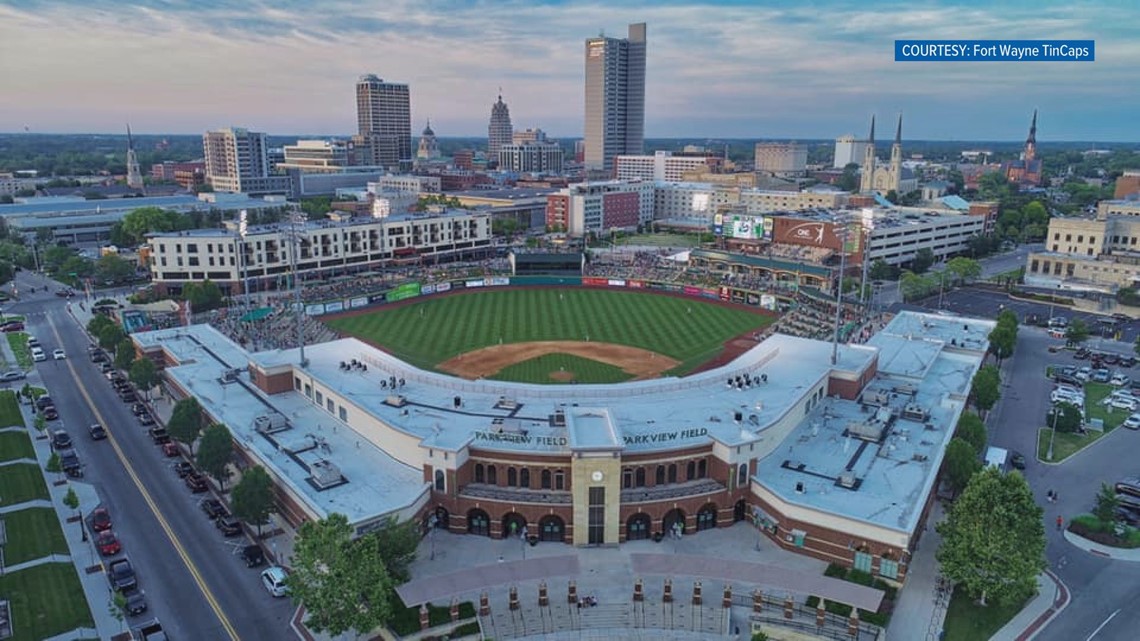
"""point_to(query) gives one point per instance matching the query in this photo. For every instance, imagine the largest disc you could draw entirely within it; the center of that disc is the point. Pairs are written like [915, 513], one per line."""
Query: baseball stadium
[591, 411]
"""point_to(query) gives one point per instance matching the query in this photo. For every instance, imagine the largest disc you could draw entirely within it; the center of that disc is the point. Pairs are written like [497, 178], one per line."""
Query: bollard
[572, 593]
[667, 597]
[757, 601]
[425, 620]
[789, 607]
[484, 605]
[853, 623]
[726, 602]
[696, 593]
[638, 595]
[820, 614]
[514, 598]
[454, 610]
[543, 599]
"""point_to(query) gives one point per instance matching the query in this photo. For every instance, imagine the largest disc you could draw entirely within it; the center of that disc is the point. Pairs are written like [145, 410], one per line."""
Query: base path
[480, 363]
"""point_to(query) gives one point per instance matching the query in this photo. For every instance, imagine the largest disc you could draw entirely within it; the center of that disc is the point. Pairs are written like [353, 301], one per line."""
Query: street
[193, 580]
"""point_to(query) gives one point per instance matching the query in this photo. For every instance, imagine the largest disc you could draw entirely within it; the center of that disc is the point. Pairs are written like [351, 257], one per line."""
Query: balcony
[515, 494]
[671, 491]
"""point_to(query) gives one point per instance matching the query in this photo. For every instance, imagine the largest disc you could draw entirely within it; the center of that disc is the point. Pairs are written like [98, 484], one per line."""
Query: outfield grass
[434, 330]
[10, 410]
[21, 482]
[18, 341]
[660, 240]
[16, 445]
[968, 621]
[46, 600]
[33, 533]
[584, 370]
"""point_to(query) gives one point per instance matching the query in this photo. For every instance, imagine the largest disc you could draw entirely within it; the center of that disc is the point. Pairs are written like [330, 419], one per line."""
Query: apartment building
[337, 246]
[1107, 208]
[686, 199]
[781, 158]
[1095, 254]
[406, 182]
[600, 206]
[662, 166]
[237, 161]
[533, 156]
[317, 156]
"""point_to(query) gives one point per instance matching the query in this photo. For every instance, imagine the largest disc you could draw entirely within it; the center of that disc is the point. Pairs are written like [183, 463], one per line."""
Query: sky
[716, 69]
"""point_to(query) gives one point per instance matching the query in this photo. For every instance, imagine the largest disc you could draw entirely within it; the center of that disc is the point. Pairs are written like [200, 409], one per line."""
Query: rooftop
[108, 204]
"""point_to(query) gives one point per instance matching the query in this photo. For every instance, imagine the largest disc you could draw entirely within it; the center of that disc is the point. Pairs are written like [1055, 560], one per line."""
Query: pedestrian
[1060, 521]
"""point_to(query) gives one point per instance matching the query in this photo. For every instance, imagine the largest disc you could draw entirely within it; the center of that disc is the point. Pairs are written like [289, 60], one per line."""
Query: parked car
[1063, 396]
[43, 401]
[273, 578]
[229, 525]
[1120, 380]
[1132, 422]
[213, 508]
[1017, 460]
[196, 482]
[58, 355]
[12, 327]
[97, 355]
[60, 440]
[128, 396]
[159, 435]
[146, 420]
[1101, 375]
[38, 355]
[170, 449]
[108, 543]
[138, 409]
[122, 575]
[97, 432]
[1071, 381]
[1122, 403]
[101, 520]
[1128, 361]
[69, 461]
[136, 604]
[50, 413]
[106, 367]
[182, 468]
[1111, 359]
[12, 375]
[252, 555]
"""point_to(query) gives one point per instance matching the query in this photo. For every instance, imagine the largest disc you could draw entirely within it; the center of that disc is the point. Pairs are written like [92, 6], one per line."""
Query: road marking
[146, 495]
[1101, 626]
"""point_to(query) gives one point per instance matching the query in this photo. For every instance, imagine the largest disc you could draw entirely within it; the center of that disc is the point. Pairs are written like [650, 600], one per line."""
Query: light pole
[431, 534]
[1052, 433]
[297, 222]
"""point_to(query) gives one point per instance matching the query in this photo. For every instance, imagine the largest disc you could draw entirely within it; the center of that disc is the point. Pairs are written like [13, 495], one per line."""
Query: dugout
[559, 264]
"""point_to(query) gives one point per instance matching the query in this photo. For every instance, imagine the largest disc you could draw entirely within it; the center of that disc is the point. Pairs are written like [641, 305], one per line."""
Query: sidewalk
[1108, 552]
[921, 607]
[1052, 597]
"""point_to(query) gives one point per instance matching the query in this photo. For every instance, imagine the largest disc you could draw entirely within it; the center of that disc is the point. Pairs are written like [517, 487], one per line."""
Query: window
[320, 398]
[798, 537]
[626, 479]
[479, 473]
[440, 481]
[863, 562]
[492, 475]
[888, 568]
[512, 477]
[672, 472]
[342, 413]
[659, 478]
[308, 390]
[330, 406]
[297, 383]
[524, 478]
[742, 475]
[545, 476]
[559, 480]
[702, 469]
[639, 477]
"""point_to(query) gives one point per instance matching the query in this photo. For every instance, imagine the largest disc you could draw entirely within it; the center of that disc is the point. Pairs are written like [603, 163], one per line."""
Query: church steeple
[898, 131]
[896, 160]
[134, 174]
[867, 177]
[1031, 141]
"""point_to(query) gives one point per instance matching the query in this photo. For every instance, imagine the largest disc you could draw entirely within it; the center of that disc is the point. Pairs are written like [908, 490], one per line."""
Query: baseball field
[557, 335]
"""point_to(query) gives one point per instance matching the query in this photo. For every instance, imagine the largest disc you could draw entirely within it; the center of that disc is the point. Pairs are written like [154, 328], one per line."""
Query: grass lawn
[1064, 445]
[1094, 394]
[18, 341]
[33, 533]
[21, 482]
[434, 330]
[10, 409]
[968, 621]
[46, 600]
[574, 368]
[16, 445]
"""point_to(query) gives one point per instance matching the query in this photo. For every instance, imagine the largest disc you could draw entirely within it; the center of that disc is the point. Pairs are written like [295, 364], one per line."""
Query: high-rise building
[615, 97]
[237, 161]
[499, 131]
[600, 206]
[534, 156]
[384, 123]
[134, 175]
[528, 135]
[782, 159]
[662, 165]
[316, 156]
[848, 150]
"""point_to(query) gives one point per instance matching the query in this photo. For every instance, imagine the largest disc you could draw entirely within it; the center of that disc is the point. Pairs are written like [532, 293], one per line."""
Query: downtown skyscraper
[615, 97]
[499, 130]
[384, 122]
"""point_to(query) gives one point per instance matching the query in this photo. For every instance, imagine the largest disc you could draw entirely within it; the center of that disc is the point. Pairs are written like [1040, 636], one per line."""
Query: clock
[597, 476]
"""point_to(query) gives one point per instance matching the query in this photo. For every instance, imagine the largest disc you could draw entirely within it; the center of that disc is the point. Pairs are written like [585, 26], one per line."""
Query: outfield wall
[407, 291]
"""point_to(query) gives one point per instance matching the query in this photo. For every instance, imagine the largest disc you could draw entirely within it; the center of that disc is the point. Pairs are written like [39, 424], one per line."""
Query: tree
[880, 270]
[1065, 418]
[98, 324]
[893, 196]
[986, 389]
[1002, 341]
[1006, 318]
[342, 583]
[993, 539]
[923, 259]
[1106, 504]
[215, 452]
[849, 180]
[252, 497]
[39, 422]
[396, 545]
[185, 422]
[964, 269]
[1034, 213]
[960, 464]
[54, 465]
[202, 296]
[144, 220]
[124, 354]
[972, 430]
[114, 268]
[144, 374]
[71, 499]
[1136, 346]
[1077, 332]
[110, 335]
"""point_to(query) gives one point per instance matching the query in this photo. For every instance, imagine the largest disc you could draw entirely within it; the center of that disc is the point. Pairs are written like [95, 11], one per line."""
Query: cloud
[714, 67]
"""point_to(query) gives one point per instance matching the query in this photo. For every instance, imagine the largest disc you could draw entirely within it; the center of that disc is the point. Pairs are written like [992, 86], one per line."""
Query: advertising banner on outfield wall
[616, 282]
[768, 301]
[442, 287]
[334, 307]
[358, 302]
[738, 296]
[500, 281]
[692, 291]
[403, 292]
[635, 284]
[315, 310]
[595, 282]
[376, 299]
[724, 293]
[473, 283]
[710, 293]
[427, 289]
[670, 287]
[752, 299]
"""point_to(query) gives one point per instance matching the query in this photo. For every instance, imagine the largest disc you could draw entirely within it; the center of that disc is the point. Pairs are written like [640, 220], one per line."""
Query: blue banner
[995, 50]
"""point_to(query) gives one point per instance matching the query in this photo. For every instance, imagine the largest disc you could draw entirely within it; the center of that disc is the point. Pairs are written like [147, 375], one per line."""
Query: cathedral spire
[1032, 140]
[871, 138]
[898, 131]
[134, 175]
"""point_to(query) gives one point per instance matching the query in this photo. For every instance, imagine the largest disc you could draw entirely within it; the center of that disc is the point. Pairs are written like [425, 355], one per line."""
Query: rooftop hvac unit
[271, 423]
[558, 419]
[396, 400]
[915, 412]
[878, 398]
[507, 404]
[906, 388]
[847, 480]
[229, 376]
[325, 474]
[866, 430]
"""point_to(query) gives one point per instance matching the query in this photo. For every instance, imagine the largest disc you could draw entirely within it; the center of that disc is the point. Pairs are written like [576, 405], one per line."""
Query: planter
[657, 536]
[532, 539]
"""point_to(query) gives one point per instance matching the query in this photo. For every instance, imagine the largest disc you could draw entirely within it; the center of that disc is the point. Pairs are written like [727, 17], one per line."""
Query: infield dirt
[639, 363]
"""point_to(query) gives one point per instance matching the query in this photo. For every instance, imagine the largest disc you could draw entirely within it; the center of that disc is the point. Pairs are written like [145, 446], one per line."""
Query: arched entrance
[637, 527]
[513, 524]
[551, 528]
[739, 511]
[672, 519]
[706, 517]
[438, 518]
[478, 522]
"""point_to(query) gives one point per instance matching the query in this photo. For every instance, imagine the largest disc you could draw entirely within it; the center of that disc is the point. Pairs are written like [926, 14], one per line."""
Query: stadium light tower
[295, 232]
